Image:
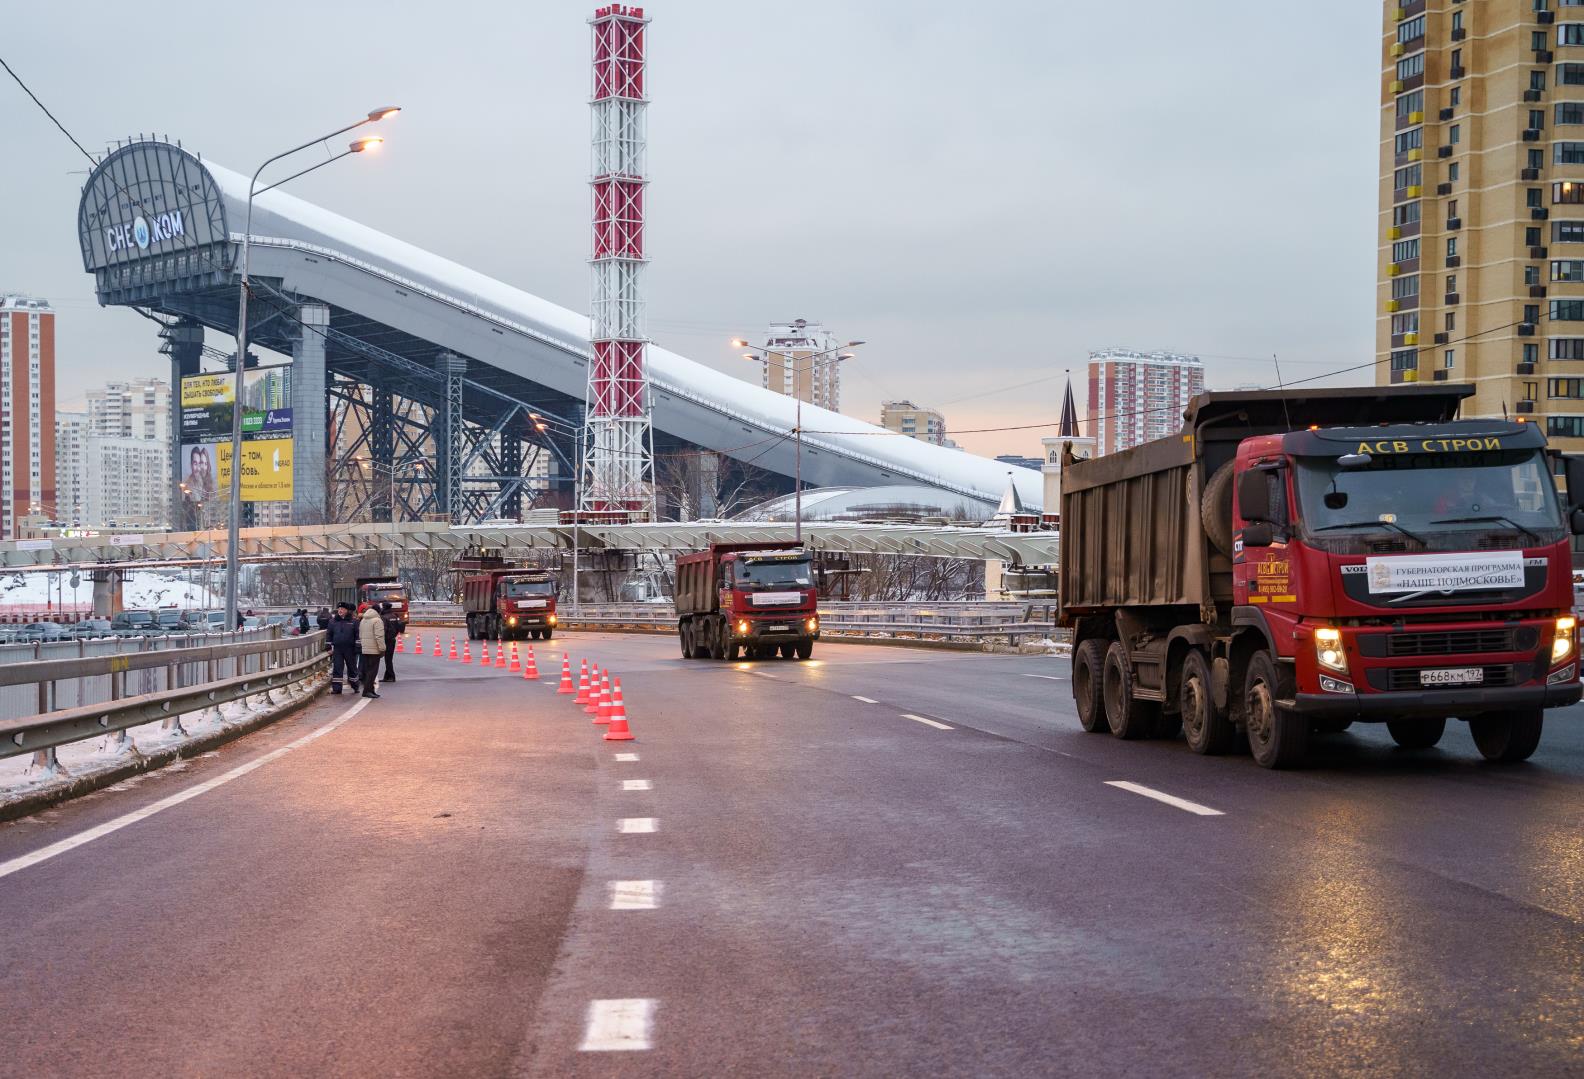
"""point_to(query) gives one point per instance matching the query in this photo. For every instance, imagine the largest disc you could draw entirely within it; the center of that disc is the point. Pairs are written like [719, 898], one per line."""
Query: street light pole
[797, 424]
[234, 520]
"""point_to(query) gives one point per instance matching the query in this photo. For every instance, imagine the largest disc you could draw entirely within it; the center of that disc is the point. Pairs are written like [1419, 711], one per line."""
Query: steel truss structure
[618, 469]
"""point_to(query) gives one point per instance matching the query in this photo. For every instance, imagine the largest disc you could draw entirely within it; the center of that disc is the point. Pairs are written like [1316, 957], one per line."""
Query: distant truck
[757, 598]
[1376, 560]
[510, 603]
[377, 590]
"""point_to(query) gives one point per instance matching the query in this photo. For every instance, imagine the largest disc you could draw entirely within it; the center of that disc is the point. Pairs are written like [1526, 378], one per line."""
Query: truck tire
[804, 649]
[546, 634]
[1207, 729]
[1215, 509]
[1507, 737]
[1128, 717]
[1416, 733]
[1088, 675]
[717, 641]
[1277, 738]
[685, 638]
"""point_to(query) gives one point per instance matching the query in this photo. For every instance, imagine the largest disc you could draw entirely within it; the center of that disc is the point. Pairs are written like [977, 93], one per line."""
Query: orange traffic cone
[516, 660]
[607, 701]
[618, 731]
[583, 684]
[599, 696]
[453, 654]
[467, 651]
[566, 676]
[500, 656]
[437, 646]
[398, 646]
[417, 644]
[530, 669]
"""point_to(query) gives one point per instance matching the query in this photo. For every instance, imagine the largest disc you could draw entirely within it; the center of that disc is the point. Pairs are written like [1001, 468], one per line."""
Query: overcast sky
[982, 192]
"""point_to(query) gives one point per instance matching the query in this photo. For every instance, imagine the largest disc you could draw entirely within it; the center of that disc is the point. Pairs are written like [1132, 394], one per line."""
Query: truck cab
[757, 599]
[384, 590]
[510, 604]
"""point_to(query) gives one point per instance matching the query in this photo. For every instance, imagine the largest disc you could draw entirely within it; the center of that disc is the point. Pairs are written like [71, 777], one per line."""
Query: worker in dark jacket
[343, 647]
[392, 631]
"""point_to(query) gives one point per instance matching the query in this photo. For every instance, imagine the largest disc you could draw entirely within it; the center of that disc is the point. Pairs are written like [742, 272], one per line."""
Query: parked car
[43, 631]
[205, 621]
[135, 623]
[93, 627]
[170, 620]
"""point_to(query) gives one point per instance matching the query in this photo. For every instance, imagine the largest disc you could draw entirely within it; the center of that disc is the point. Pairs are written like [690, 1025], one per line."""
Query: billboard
[206, 412]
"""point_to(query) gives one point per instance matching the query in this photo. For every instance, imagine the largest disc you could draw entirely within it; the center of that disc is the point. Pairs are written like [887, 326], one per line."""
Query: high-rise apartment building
[802, 359]
[915, 421]
[1138, 396]
[71, 431]
[112, 461]
[139, 408]
[1482, 204]
[27, 414]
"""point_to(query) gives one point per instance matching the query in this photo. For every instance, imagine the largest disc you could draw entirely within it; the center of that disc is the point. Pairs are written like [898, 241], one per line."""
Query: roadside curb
[33, 801]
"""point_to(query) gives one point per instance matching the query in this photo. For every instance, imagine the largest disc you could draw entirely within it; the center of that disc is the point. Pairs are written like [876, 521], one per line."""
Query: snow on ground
[141, 589]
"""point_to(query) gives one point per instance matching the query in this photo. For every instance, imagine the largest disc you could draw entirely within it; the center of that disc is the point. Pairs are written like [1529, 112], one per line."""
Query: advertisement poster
[206, 410]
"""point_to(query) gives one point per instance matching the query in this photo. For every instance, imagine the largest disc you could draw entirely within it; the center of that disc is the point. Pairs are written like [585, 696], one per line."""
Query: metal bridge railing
[78, 698]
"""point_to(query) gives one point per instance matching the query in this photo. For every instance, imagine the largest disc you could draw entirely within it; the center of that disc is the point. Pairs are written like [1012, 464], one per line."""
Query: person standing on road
[343, 647]
[371, 641]
[392, 631]
[302, 621]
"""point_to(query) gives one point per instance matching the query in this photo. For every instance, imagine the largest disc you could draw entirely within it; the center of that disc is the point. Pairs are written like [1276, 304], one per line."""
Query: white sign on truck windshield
[1445, 573]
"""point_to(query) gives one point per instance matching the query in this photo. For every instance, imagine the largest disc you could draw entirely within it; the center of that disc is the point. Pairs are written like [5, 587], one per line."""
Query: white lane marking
[866, 700]
[1169, 799]
[551, 682]
[634, 894]
[636, 785]
[636, 824]
[1049, 677]
[44, 854]
[617, 1025]
[927, 722]
[626, 756]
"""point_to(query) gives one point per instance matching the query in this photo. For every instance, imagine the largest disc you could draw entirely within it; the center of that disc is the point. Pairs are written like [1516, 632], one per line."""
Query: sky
[982, 193]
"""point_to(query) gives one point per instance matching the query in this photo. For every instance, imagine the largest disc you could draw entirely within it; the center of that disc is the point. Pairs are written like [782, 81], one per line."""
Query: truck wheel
[546, 634]
[1416, 733]
[1277, 738]
[1088, 666]
[1208, 730]
[1507, 736]
[733, 649]
[717, 642]
[804, 649]
[1128, 718]
[685, 638]
[1215, 509]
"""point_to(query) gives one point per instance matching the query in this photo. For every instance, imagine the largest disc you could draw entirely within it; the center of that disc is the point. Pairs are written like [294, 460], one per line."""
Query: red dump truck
[376, 590]
[1376, 560]
[510, 603]
[757, 598]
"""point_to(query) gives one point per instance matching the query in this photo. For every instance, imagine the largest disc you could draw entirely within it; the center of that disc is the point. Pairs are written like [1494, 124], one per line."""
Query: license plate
[1453, 676]
[778, 629]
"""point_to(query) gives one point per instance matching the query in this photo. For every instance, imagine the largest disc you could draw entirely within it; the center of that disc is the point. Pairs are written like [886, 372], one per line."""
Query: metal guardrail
[113, 693]
[963, 621]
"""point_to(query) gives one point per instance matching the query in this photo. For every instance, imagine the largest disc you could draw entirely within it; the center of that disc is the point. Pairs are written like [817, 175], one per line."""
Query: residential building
[139, 408]
[1135, 397]
[915, 421]
[112, 461]
[27, 414]
[1481, 256]
[71, 430]
[126, 483]
[802, 359]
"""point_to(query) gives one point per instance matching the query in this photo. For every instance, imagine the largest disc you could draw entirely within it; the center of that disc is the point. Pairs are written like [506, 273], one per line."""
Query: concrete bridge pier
[107, 596]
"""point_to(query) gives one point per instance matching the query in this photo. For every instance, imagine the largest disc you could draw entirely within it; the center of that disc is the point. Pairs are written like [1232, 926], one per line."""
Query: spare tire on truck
[1215, 509]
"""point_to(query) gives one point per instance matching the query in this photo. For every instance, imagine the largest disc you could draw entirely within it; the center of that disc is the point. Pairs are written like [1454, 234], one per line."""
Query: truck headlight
[1562, 644]
[512, 620]
[742, 628]
[1328, 649]
[813, 625]
[551, 620]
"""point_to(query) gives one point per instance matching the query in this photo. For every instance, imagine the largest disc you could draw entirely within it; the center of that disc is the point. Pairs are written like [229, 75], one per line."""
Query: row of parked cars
[138, 623]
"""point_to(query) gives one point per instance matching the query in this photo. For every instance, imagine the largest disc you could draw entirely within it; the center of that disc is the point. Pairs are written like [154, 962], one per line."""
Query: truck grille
[1455, 642]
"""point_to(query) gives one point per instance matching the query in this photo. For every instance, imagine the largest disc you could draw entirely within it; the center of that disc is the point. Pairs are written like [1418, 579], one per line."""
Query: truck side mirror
[1254, 496]
[1573, 467]
[1258, 534]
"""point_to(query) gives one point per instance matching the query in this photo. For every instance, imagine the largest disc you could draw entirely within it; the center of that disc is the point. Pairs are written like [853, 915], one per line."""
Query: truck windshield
[1423, 493]
[773, 575]
[515, 587]
[379, 592]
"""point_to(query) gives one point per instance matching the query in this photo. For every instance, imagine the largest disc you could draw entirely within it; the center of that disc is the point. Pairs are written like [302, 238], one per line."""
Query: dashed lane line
[626, 756]
[927, 722]
[637, 785]
[618, 1025]
[634, 894]
[44, 854]
[633, 825]
[1048, 677]
[1170, 799]
[866, 700]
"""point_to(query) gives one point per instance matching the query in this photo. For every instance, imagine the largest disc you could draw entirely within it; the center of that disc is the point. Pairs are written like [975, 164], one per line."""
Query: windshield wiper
[1490, 517]
[1375, 524]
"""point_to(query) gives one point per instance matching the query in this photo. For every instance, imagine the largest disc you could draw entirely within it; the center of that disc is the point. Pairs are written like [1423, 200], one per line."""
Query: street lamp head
[738, 342]
[384, 112]
[367, 142]
[844, 356]
[750, 356]
[853, 344]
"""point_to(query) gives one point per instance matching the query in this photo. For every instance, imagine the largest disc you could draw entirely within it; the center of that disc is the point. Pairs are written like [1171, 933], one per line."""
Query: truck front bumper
[791, 628]
[1463, 702]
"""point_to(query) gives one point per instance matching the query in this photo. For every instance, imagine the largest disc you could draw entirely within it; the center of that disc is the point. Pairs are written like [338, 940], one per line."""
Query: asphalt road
[881, 862]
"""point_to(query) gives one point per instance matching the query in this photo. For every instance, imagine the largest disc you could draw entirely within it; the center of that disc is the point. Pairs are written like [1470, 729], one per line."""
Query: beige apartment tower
[1481, 263]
